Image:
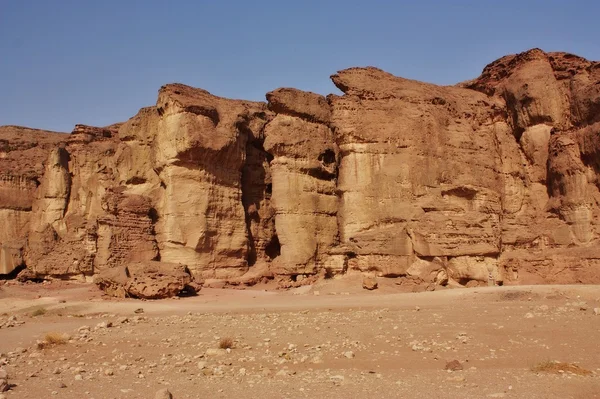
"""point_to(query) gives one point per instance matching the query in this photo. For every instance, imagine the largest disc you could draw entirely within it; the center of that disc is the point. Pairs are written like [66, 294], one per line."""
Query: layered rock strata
[494, 180]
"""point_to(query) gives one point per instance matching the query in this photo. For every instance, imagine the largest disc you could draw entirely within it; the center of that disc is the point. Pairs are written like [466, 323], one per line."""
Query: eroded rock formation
[495, 179]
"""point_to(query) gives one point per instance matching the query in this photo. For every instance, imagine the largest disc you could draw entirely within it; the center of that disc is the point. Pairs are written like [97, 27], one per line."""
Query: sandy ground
[332, 340]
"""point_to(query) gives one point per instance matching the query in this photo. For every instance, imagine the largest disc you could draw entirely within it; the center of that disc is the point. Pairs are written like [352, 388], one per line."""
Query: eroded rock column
[304, 177]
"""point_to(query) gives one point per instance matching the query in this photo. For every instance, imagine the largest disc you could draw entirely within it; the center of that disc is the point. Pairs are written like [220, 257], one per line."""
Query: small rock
[109, 372]
[266, 372]
[281, 373]
[529, 315]
[215, 352]
[83, 329]
[140, 310]
[462, 337]
[454, 365]
[78, 377]
[202, 365]
[163, 394]
[349, 354]
[472, 284]
[597, 311]
[369, 282]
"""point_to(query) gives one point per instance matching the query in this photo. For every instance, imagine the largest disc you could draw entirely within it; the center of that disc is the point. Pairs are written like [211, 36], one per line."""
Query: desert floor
[331, 340]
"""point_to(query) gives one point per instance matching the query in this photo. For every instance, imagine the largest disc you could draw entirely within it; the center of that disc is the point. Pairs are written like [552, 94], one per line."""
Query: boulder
[369, 282]
[146, 280]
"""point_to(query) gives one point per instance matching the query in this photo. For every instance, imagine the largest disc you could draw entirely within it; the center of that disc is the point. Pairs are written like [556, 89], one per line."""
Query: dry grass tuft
[555, 367]
[38, 312]
[53, 339]
[226, 343]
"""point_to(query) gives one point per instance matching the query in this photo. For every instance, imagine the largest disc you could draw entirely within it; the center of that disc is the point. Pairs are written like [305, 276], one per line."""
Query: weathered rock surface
[163, 394]
[495, 180]
[369, 282]
[4, 385]
[304, 174]
[147, 280]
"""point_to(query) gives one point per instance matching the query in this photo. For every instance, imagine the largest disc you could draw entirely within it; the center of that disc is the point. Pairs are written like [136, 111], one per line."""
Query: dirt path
[332, 340]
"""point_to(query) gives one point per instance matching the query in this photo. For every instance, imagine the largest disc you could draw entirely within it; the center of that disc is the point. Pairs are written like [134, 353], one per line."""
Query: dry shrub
[53, 339]
[226, 343]
[38, 312]
[555, 367]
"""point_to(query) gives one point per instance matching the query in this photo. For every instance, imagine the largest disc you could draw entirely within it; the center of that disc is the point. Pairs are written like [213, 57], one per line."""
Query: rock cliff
[494, 179]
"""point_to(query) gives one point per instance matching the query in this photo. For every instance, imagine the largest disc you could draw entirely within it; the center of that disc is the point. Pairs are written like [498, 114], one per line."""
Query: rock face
[304, 176]
[23, 153]
[492, 180]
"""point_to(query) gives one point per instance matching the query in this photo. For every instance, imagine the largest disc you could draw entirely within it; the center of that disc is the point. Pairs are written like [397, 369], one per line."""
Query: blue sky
[64, 62]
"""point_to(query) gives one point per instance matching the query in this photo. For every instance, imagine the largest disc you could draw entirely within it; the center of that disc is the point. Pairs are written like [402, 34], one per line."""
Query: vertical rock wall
[304, 177]
[495, 178]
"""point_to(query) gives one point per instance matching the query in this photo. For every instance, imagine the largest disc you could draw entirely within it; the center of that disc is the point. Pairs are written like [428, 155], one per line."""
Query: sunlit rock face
[494, 179]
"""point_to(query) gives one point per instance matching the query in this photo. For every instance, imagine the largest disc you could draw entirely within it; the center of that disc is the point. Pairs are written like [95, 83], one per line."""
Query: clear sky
[64, 62]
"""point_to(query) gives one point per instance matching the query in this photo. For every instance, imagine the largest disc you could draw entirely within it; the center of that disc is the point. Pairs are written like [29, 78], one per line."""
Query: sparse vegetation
[38, 312]
[226, 343]
[555, 367]
[53, 339]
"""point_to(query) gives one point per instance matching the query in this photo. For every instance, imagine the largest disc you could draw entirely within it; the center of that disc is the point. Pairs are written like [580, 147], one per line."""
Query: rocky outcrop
[418, 174]
[551, 208]
[23, 153]
[494, 180]
[193, 148]
[304, 175]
